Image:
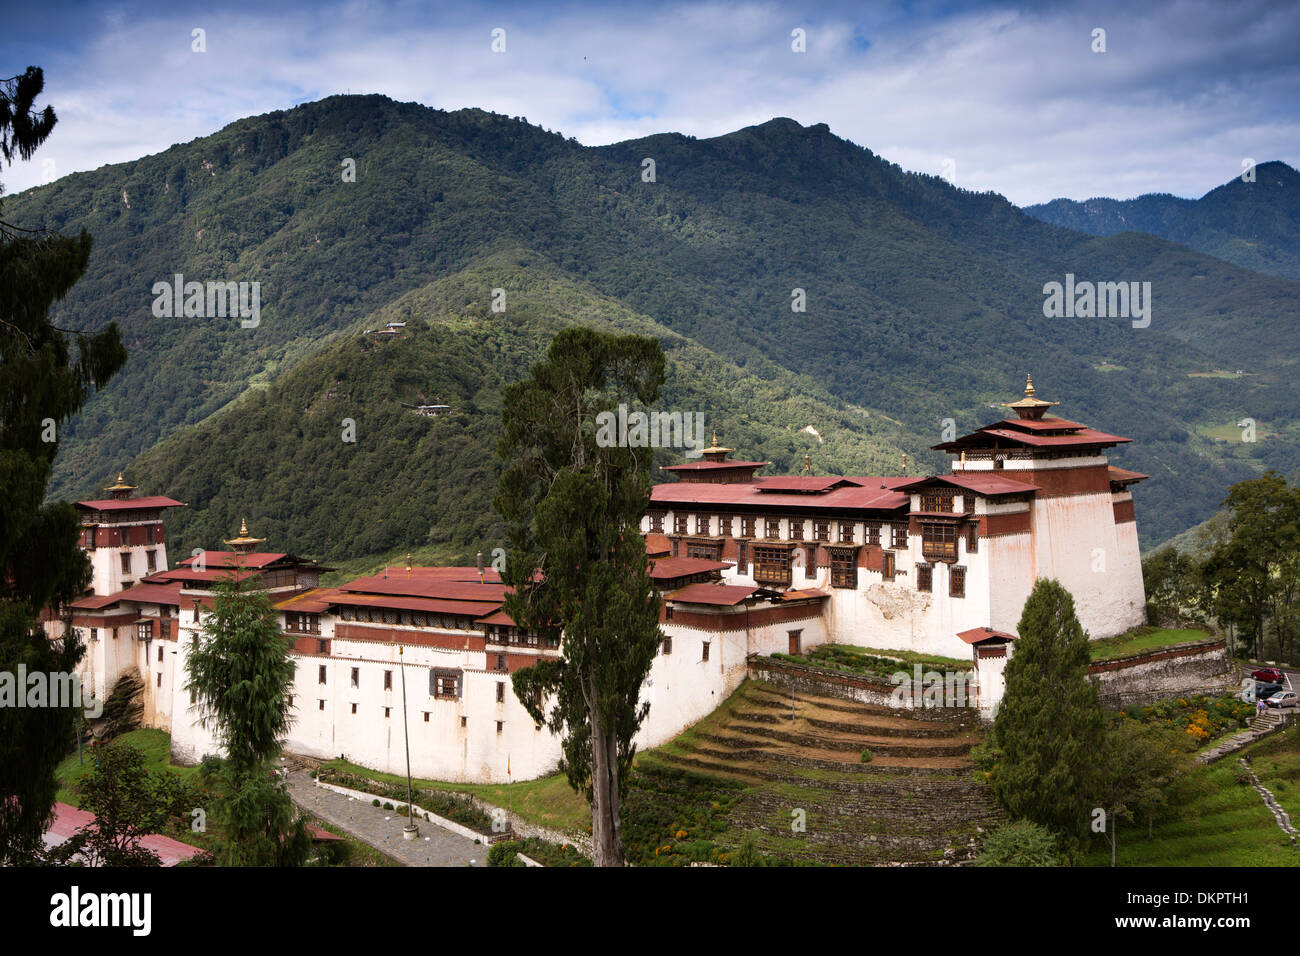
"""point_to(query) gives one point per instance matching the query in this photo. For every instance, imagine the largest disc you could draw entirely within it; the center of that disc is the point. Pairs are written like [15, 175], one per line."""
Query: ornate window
[939, 541]
[846, 532]
[821, 530]
[937, 499]
[887, 565]
[679, 524]
[972, 538]
[844, 568]
[772, 565]
[657, 521]
[701, 524]
[747, 527]
[873, 534]
[772, 528]
[898, 535]
[957, 582]
[796, 529]
[924, 577]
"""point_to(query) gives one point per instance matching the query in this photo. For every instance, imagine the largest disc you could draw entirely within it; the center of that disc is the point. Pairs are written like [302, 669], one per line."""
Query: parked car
[1265, 691]
[1270, 675]
[1283, 698]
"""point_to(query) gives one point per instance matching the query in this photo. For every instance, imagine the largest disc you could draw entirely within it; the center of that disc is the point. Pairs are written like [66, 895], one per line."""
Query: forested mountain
[1252, 224]
[924, 303]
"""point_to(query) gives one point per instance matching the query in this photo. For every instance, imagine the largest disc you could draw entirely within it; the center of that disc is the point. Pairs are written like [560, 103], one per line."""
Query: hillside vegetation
[924, 303]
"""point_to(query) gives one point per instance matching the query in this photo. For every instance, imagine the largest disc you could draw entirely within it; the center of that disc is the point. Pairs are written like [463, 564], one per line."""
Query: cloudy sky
[1001, 96]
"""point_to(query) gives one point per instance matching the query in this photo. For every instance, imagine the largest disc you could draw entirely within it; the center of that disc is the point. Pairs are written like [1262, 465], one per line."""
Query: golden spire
[904, 463]
[807, 464]
[1030, 407]
[245, 542]
[120, 488]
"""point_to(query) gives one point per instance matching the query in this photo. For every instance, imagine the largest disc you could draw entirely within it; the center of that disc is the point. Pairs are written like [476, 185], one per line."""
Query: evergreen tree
[1048, 728]
[44, 380]
[577, 559]
[241, 673]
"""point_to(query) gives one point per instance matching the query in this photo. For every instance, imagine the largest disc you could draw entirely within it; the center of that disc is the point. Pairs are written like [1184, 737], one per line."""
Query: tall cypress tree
[577, 559]
[1049, 726]
[241, 673]
[46, 375]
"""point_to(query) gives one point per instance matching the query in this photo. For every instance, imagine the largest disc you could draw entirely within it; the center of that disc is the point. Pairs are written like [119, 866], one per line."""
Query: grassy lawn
[547, 802]
[154, 744]
[1226, 824]
[1144, 639]
[1276, 762]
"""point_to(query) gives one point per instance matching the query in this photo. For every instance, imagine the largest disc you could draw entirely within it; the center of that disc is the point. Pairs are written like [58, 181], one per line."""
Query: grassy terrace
[1226, 824]
[1144, 639]
[873, 661]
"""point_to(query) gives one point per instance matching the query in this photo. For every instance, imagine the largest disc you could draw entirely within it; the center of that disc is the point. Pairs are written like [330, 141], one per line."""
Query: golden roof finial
[1030, 407]
[807, 464]
[905, 463]
[715, 438]
[245, 542]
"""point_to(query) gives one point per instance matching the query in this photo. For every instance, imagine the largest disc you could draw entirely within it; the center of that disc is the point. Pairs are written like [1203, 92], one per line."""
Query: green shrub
[1019, 844]
[866, 756]
[505, 853]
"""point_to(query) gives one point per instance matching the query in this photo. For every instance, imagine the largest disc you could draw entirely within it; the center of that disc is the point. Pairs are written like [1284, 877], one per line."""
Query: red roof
[470, 608]
[1124, 476]
[68, 820]
[657, 544]
[95, 602]
[1084, 436]
[808, 484]
[714, 465]
[722, 595]
[500, 617]
[153, 594]
[804, 594]
[210, 575]
[131, 504]
[665, 569]
[982, 483]
[427, 585]
[977, 635]
[232, 559]
[855, 494]
[1041, 424]
[315, 601]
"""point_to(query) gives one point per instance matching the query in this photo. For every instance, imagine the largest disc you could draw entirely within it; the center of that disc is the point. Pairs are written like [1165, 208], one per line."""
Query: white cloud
[1015, 97]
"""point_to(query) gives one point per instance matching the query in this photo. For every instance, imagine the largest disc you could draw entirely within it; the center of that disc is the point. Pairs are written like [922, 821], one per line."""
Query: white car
[1283, 698]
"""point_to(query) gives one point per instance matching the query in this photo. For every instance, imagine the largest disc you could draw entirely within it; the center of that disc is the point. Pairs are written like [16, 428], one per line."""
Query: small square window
[668, 612]
[354, 708]
[387, 711]
[322, 705]
[388, 680]
[668, 645]
[322, 647]
[320, 678]
[463, 720]
[705, 655]
[160, 680]
[356, 676]
[160, 654]
[500, 726]
[501, 692]
[426, 716]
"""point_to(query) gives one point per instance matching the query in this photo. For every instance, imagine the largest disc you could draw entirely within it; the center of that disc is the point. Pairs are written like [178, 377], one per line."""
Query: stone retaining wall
[1198, 667]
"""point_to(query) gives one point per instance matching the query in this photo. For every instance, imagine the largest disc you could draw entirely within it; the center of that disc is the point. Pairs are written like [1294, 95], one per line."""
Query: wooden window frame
[888, 567]
[898, 535]
[821, 529]
[772, 529]
[938, 541]
[925, 578]
[957, 581]
[844, 567]
[748, 526]
[768, 558]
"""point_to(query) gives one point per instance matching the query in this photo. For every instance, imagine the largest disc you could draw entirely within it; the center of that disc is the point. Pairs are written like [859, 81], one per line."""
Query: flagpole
[410, 831]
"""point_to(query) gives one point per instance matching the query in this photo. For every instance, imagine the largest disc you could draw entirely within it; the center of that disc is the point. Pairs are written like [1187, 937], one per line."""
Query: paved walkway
[382, 829]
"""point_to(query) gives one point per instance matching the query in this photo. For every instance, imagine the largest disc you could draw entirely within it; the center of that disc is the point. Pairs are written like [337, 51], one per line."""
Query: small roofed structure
[716, 468]
[244, 543]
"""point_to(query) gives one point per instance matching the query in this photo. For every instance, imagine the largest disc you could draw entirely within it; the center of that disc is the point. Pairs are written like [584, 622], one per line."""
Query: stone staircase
[916, 802]
[1263, 725]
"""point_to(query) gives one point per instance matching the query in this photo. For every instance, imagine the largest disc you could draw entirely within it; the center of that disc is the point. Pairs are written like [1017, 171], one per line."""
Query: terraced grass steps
[917, 800]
